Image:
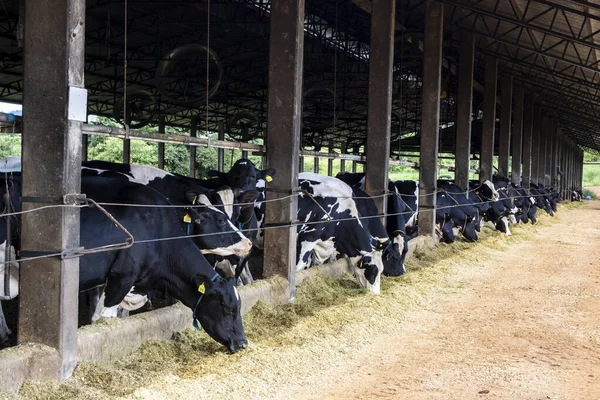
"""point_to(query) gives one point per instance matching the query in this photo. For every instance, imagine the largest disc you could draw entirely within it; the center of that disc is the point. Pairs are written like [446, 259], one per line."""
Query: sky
[8, 107]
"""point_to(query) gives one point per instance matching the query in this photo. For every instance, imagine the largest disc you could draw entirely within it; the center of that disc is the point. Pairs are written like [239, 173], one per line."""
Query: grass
[587, 192]
[591, 175]
[328, 321]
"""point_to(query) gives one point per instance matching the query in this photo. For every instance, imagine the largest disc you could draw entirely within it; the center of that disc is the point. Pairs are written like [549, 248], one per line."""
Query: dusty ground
[506, 318]
[525, 327]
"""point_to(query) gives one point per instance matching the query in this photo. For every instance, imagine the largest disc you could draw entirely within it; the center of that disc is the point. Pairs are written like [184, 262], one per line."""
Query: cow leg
[305, 255]
[4, 331]
[104, 312]
[93, 301]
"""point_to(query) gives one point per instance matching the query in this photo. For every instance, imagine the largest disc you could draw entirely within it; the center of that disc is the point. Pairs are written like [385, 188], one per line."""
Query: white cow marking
[145, 174]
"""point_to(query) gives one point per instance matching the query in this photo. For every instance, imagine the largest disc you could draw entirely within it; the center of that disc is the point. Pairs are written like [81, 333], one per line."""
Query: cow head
[244, 174]
[469, 232]
[488, 191]
[213, 232]
[367, 271]
[394, 255]
[218, 311]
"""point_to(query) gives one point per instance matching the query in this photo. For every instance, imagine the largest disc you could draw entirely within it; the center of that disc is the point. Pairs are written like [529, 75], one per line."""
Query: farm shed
[367, 80]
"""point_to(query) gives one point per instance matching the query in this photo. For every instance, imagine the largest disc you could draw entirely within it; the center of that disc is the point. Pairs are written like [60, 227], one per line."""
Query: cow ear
[268, 174]
[204, 286]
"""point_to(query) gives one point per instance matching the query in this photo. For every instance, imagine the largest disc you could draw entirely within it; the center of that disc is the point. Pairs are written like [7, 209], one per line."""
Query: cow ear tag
[202, 288]
[187, 219]
[269, 178]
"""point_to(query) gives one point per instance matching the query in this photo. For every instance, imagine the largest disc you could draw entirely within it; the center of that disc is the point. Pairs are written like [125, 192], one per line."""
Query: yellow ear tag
[202, 288]
[269, 179]
[187, 219]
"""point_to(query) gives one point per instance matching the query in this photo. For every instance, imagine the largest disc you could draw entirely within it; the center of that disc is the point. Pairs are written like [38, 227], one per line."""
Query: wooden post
[527, 140]
[464, 109]
[489, 119]
[221, 152]
[193, 133]
[505, 125]
[55, 105]
[535, 145]
[379, 116]
[430, 121]
[161, 146]
[517, 139]
[286, 58]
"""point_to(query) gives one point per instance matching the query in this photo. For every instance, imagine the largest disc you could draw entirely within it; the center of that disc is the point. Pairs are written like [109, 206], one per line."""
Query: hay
[328, 321]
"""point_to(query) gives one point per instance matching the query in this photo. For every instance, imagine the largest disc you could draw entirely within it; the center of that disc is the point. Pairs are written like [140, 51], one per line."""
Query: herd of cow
[217, 226]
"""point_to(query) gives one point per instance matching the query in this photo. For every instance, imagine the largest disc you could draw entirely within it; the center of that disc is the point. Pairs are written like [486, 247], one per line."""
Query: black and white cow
[457, 210]
[319, 239]
[176, 267]
[409, 194]
[220, 205]
[395, 251]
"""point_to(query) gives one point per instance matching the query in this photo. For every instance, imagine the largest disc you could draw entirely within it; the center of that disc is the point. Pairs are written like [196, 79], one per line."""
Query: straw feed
[327, 323]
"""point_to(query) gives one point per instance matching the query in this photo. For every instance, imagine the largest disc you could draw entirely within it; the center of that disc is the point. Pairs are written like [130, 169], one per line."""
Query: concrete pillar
[486, 169]
[517, 136]
[343, 162]
[535, 145]
[301, 164]
[464, 108]
[527, 140]
[430, 121]
[52, 138]
[316, 165]
[161, 146]
[193, 133]
[379, 116]
[286, 58]
[84, 147]
[552, 177]
[221, 152]
[244, 153]
[580, 170]
[505, 125]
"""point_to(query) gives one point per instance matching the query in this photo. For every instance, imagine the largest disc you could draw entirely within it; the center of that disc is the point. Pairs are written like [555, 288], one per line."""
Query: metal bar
[523, 24]
[379, 115]
[464, 109]
[489, 119]
[505, 125]
[432, 75]
[286, 48]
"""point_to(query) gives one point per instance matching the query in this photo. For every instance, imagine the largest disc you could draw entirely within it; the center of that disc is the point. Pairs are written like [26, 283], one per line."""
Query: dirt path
[525, 327]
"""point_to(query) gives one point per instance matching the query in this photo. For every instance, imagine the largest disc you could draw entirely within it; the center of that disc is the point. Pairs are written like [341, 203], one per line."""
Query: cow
[181, 190]
[457, 210]
[330, 225]
[243, 175]
[176, 267]
[395, 251]
[409, 194]
[541, 199]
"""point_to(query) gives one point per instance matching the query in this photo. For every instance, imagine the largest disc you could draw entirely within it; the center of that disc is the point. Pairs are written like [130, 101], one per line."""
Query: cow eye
[222, 221]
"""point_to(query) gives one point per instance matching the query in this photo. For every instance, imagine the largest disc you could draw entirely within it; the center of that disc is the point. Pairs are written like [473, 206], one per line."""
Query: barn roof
[550, 46]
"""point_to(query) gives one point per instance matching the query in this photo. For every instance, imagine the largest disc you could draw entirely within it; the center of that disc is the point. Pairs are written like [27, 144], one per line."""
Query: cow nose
[247, 245]
[236, 346]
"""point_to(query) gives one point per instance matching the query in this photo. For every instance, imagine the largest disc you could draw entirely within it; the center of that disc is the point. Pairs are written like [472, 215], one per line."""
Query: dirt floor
[506, 318]
[525, 327]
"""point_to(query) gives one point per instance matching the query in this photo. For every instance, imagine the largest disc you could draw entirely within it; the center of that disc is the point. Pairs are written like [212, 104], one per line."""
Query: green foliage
[591, 175]
[10, 145]
[587, 192]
